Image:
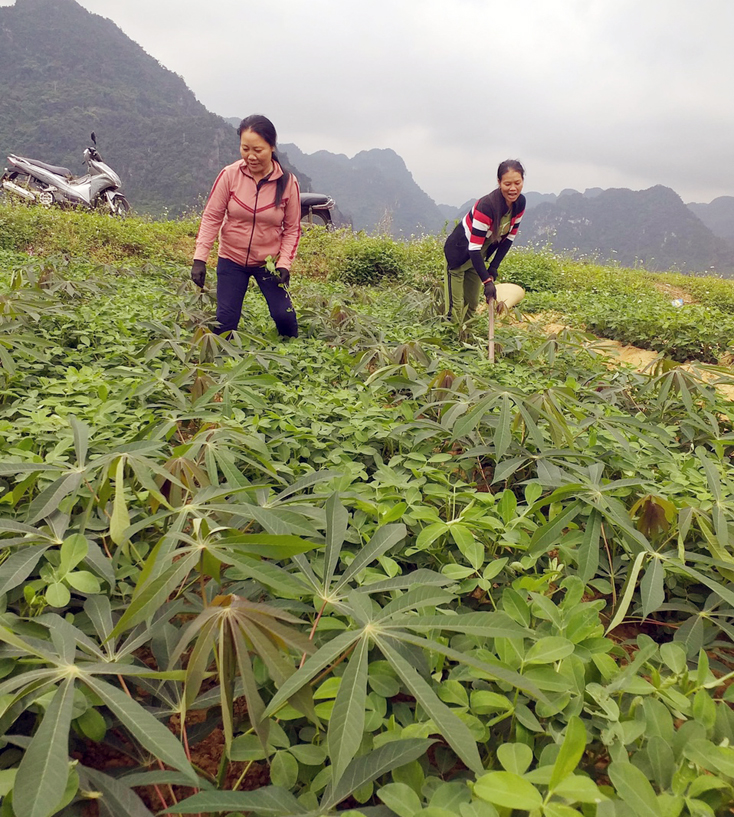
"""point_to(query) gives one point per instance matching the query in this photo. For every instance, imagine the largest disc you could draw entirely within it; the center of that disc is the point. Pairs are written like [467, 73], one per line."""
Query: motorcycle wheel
[120, 206]
[316, 218]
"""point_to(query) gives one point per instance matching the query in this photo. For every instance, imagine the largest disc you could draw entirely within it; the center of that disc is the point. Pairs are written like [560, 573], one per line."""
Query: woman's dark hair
[265, 129]
[509, 164]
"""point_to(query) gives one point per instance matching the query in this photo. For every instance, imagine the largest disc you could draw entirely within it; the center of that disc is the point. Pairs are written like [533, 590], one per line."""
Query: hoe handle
[490, 337]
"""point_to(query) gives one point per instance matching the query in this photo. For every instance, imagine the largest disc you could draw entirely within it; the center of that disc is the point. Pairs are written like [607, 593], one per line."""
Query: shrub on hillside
[371, 260]
[533, 271]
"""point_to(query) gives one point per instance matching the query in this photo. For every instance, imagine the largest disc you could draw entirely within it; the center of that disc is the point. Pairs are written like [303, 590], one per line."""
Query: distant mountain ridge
[374, 190]
[650, 228]
[718, 216]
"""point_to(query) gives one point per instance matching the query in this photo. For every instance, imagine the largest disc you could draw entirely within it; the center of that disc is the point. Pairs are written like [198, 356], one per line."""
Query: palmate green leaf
[453, 729]
[266, 545]
[268, 619]
[18, 567]
[383, 539]
[316, 663]
[549, 535]
[9, 469]
[588, 551]
[44, 769]
[120, 519]
[205, 625]
[283, 583]
[629, 589]
[723, 561]
[507, 468]
[712, 475]
[225, 653]
[280, 668]
[27, 682]
[271, 801]
[652, 587]
[278, 521]
[489, 625]
[497, 672]
[337, 519]
[148, 598]
[721, 590]
[63, 637]
[255, 703]
[80, 431]
[50, 498]
[421, 576]
[307, 481]
[12, 707]
[503, 432]
[360, 608]
[118, 799]
[468, 422]
[148, 731]
[417, 597]
[346, 723]
[37, 648]
[370, 767]
[635, 789]
[616, 513]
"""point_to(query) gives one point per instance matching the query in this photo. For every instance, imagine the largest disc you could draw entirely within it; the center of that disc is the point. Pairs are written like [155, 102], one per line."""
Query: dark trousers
[232, 282]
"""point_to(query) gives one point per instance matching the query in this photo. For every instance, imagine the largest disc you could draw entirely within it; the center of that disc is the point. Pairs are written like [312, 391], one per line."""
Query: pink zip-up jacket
[243, 214]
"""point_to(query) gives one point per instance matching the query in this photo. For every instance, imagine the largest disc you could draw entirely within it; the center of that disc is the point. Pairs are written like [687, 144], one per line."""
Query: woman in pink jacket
[255, 210]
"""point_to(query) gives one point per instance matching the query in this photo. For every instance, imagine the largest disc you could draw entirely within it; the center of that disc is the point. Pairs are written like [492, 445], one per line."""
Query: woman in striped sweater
[486, 232]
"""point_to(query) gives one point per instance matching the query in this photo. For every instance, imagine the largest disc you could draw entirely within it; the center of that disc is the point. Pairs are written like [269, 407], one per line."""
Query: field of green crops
[363, 570]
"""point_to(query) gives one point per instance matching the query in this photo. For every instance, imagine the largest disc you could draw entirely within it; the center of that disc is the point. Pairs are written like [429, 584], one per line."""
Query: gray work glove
[198, 273]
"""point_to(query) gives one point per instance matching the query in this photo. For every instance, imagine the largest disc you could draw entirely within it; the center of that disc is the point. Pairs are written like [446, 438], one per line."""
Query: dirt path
[640, 359]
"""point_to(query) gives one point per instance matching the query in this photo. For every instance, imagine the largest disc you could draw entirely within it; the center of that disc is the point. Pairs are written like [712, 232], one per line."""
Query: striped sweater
[471, 238]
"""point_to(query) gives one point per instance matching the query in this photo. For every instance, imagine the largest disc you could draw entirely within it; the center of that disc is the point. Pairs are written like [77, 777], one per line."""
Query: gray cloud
[610, 93]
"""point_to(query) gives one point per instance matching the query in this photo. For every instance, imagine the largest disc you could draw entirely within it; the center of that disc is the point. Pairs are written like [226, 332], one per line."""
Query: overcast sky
[587, 93]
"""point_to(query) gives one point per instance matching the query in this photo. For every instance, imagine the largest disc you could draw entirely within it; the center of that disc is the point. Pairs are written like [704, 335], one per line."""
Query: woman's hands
[284, 275]
[198, 273]
[490, 291]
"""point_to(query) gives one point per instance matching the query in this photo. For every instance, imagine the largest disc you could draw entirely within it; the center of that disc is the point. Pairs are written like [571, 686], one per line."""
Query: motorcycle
[316, 205]
[42, 183]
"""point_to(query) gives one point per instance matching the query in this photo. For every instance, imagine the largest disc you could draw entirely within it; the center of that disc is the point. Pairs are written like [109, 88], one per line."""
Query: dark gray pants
[232, 282]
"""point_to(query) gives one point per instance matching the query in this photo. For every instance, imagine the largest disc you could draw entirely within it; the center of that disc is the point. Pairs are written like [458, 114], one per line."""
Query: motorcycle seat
[57, 169]
[316, 200]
